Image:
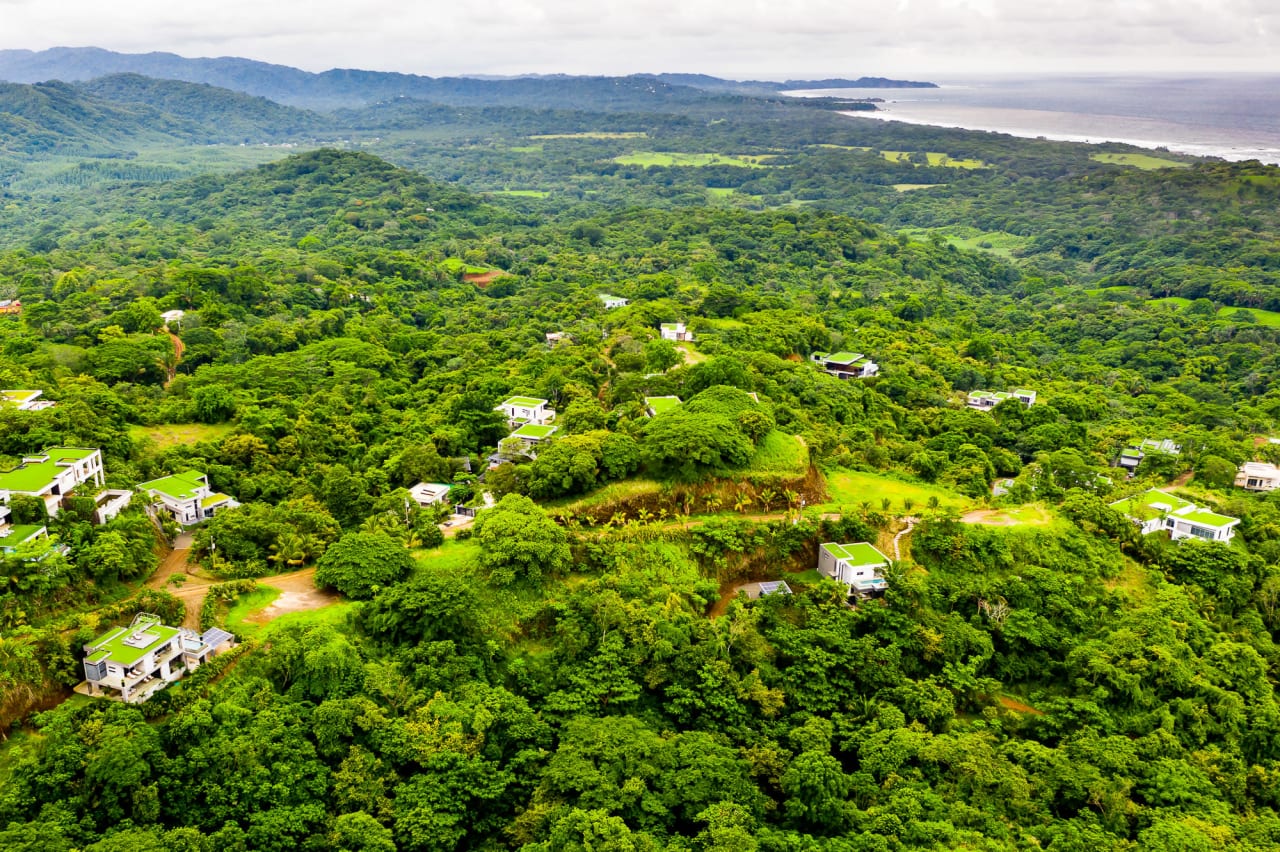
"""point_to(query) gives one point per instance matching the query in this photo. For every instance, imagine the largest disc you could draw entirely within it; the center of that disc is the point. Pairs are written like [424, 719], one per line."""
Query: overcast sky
[742, 38]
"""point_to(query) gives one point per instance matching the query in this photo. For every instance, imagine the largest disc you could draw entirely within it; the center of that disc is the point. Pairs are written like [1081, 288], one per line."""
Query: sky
[739, 38]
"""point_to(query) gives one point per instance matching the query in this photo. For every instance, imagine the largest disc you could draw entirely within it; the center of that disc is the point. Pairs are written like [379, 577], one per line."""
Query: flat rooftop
[179, 486]
[860, 553]
[34, 477]
[523, 402]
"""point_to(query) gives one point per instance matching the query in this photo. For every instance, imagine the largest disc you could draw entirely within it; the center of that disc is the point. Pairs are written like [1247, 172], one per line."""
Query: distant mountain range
[339, 88]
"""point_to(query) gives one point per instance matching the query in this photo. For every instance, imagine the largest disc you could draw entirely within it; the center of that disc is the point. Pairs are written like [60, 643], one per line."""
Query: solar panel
[215, 636]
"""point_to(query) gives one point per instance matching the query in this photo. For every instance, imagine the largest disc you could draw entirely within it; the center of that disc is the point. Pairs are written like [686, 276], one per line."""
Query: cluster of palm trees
[741, 502]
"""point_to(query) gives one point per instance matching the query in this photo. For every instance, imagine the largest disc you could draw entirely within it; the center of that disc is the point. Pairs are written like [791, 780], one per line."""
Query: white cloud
[746, 38]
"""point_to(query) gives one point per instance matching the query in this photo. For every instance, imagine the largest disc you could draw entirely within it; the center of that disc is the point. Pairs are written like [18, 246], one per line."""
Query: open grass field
[853, 487]
[1146, 162]
[179, 434]
[521, 193]
[455, 265]
[841, 147]
[911, 187]
[720, 191]
[1099, 291]
[779, 454]
[628, 134]
[1267, 318]
[971, 239]
[247, 605]
[678, 158]
[936, 159]
[614, 492]
[525, 149]
[1030, 515]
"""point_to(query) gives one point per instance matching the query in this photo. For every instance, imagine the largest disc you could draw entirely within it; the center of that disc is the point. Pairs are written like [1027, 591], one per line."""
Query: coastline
[1222, 150]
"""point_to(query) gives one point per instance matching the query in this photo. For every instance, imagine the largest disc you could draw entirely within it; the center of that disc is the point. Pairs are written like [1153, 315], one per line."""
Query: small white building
[109, 503]
[1156, 510]
[172, 318]
[429, 493]
[187, 497]
[1132, 455]
[846, 365]
[520, 410]
[859, 566]
[611, 301]
[675, 331]
[25, 400]
[986, 400]
[1258, 476]
[558, 338]
[52, 474]
[132, 663]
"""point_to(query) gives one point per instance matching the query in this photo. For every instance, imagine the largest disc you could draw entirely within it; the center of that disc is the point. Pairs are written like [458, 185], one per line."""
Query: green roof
[523, 402]
[1208, 519]
[17, 397]
[530, 430]
[180, 486]
[18, 534]
[860, 553]
[37, 476]
[659, 404]
[844, 357]
[96, 657]
[609, 296]
[1148, 505]
[113, 642]
[213, 500]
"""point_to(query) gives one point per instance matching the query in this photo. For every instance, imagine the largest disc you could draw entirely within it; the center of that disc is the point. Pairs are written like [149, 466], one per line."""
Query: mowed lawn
[1146, 162]
[679, 158]
[626, 134]
[177, 434]
[853, 487]
[936, 159]
[779, 454]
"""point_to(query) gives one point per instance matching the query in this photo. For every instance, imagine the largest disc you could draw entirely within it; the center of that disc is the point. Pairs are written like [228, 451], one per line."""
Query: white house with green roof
[1157, 510]
[520, 410]
[52, 474]
[984, 400]
[675, 331]
[25, 400]
[846, 365]
[187, 497]
[859, 566]
[1133, 454]
[611, 301]
[656, 405]
[14, 537]
[132, 663]
[533, 434]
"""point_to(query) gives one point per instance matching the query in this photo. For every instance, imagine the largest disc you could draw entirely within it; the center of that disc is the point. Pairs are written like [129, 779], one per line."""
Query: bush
[362, 563]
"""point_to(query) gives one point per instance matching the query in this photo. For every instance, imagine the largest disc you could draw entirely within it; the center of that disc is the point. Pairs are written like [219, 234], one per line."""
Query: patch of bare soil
[298, 593]
[483, 279]
[988, 517]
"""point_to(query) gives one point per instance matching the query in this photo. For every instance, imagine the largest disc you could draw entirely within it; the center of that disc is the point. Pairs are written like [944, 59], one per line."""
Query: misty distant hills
[340, 88]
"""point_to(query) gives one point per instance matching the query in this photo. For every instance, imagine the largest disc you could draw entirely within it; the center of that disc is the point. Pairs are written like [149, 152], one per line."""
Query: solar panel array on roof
[773, 587]
[215, 636]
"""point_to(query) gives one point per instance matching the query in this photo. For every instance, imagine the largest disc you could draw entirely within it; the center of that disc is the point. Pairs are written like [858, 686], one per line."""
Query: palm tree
[934, 502]
[713, 502]
[908, 504]
[742, 503]
[644, 516]
[885, 504]
[767, 496]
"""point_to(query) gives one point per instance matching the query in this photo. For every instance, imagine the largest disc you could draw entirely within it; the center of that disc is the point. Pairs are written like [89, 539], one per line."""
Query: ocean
[1232, 116]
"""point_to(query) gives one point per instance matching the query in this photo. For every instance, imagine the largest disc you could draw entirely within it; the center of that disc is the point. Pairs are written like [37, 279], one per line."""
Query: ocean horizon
[1229, 116]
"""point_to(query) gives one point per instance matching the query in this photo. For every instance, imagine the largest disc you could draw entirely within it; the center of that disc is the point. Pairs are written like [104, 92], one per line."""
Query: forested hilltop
[570, 649]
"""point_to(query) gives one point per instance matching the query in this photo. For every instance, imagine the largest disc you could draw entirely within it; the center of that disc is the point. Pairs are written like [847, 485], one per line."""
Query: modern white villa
[52, 474]
[533, 434]
[846, 365]
[611, 301]
[15, 536]
[655, 405]
[1258, 476]
[132, 663]
[187, 497]
[520, 410]
[1157, 510]
[172, 318]
[1132, 455]
[859, 566]
[983, 400]
[429, 493]
[26, 400]
[675, 331]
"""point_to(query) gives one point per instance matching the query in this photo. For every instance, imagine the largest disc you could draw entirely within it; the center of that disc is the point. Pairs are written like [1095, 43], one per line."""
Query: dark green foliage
[359, 564]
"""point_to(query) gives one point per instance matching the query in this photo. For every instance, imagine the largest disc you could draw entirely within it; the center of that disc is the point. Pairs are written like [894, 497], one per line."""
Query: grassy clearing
[679, 158]
[936, 158]
[247, 605]
[614, 492]
[853, 487]
[779, 454]
[501, 608]
[525, 149]
[831, 147]
[628, 134]
[334, 615]
[911, 187]
[521, 193]
[720, 191]
[1146, 162]
[1100, 291]
[456, 265]
[1267, 318]
[1030, 515]
[999, 243]
[179, 434]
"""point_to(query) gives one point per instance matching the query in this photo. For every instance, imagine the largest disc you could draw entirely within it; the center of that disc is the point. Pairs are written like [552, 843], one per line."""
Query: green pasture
[698, 160]
[936, 159]
[1146, 162]
[854, 487]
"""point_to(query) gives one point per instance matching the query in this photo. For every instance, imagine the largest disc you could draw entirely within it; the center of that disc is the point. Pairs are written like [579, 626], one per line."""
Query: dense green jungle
[362, 280]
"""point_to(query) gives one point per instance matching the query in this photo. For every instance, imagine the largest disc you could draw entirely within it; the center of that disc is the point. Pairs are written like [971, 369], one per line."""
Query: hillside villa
[14, 536]
[52, 474]
[172, 318]
[10, 306]
[26, 400]
[983, 400]
[556, 338]
[187, 497]
[1157, 510]
[429, 493]
[656, 405]
[1258, 476]
[1132, 455]
[846, 365]
[533, 434]
[132, 663]
[611, 301]
[859, 566]
[675, 331]
[520, 410]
